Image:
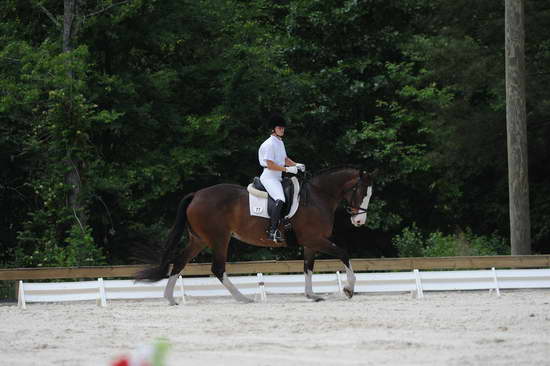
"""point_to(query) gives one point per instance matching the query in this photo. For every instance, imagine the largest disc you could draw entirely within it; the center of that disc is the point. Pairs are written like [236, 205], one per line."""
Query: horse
[211, 216]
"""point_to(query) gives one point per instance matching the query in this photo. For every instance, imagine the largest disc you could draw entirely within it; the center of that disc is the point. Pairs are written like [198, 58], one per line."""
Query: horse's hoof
[316, 298]
[172, 302]
[246, 300]
[348, 292]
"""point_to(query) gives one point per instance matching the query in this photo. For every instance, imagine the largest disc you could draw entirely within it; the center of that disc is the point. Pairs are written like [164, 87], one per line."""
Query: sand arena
[445, 328]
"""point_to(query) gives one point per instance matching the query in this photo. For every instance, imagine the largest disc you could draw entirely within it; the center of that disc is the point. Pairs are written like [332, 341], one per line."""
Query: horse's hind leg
[169, 289]
[191, 250]
[218, 268]
[309, 261]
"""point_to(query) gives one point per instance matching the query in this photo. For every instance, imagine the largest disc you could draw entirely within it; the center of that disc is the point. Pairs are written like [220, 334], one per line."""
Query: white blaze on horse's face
[361, 217]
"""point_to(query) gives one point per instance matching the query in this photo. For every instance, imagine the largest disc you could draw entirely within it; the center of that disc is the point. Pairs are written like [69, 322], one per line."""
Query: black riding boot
[274, 234]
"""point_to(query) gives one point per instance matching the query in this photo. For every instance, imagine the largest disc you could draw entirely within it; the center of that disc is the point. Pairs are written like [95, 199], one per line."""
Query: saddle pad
[258, 205]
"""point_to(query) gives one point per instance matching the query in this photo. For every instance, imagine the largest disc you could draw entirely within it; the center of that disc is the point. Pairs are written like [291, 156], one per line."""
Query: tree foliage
[160, 98]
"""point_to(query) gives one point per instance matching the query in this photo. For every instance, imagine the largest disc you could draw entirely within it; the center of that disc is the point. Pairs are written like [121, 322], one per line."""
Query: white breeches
[272, 183]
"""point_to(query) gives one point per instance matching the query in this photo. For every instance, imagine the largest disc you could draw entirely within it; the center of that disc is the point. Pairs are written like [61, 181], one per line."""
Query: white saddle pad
[258, 200]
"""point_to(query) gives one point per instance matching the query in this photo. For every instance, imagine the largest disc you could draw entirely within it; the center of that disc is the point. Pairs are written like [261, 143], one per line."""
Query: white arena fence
[260, 286]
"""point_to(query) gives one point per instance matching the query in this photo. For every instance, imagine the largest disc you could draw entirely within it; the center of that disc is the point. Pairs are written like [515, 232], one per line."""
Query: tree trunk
[70, 29]
[518, 182]
[70, 14]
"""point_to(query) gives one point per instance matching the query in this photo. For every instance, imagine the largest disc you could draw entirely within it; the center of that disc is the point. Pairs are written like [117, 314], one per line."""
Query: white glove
[291, 170]
[301, 167]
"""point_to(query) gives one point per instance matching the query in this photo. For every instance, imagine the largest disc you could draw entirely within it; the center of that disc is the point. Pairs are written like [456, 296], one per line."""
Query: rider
[273, 158]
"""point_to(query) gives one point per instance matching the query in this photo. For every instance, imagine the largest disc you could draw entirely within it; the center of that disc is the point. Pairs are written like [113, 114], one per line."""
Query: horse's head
[357, 197]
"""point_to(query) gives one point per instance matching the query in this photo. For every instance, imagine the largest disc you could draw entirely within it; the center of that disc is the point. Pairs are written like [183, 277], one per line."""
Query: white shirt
[272, 149]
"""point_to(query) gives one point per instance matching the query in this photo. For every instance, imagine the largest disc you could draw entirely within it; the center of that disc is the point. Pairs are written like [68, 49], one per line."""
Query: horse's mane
[307, 178]
[334, 169]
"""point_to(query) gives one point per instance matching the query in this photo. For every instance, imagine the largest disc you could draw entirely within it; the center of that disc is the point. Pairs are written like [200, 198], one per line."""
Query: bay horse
[211, 216]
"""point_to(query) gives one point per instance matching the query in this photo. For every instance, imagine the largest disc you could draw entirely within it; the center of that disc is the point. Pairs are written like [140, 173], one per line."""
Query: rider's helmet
[276, 119]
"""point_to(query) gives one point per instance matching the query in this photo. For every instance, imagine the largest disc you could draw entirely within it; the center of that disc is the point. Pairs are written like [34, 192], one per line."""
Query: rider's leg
[275, 190]
[274, 233]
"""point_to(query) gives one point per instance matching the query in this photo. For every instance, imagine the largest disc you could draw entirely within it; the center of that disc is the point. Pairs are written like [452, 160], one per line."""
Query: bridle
[352, 210]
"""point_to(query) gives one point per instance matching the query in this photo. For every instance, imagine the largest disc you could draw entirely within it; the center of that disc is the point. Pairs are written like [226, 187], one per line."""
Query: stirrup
[275, 236]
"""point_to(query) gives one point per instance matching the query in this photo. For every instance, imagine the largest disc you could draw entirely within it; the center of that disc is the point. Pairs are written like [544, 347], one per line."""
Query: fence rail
[294, 266]
[416, 282]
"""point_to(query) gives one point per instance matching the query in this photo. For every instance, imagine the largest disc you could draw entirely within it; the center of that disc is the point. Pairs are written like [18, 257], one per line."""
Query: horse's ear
[372, 175]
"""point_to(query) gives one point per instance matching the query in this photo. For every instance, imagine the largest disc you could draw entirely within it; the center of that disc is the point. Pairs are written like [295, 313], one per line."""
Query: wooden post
[518, 180]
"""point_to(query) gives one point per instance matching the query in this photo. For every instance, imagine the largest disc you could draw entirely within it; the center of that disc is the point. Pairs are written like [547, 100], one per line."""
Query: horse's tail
[170, 248]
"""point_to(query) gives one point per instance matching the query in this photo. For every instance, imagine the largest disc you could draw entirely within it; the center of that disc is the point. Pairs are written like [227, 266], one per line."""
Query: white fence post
[419, 290]
[102, 297]
[261, 287]
[21, 296]
[339, 280]
[180, 280]
[495, 280]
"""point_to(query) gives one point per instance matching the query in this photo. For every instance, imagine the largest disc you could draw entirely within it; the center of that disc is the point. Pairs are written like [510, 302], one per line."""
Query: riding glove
[291, 169]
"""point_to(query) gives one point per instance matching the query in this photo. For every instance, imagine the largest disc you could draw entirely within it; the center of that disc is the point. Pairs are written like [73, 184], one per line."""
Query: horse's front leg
[350, 288]
[309, 262]
[326, 246]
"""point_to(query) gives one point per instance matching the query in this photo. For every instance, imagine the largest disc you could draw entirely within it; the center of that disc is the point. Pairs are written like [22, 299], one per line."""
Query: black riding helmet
[276, 119]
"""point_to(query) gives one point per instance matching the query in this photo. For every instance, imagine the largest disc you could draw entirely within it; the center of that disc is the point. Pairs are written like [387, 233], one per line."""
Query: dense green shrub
[78, 249]
[410, 242]
[413, 243]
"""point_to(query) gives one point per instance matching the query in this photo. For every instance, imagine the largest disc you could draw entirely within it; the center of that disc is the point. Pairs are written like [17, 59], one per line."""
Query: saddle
[261, 204]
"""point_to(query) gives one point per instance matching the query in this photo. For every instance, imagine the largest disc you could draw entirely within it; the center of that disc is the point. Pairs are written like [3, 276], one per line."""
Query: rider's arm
[289, 162]
[273, 166]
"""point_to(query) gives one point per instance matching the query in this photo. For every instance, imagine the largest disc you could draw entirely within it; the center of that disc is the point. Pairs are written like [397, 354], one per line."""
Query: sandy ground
[446, 328]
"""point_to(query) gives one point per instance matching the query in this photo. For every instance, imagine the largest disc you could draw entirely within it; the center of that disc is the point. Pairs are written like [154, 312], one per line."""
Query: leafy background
[160, 98]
